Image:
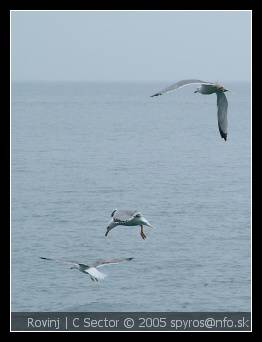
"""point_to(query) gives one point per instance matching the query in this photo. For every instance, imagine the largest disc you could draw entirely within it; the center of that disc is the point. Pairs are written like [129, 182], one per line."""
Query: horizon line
[111, 81]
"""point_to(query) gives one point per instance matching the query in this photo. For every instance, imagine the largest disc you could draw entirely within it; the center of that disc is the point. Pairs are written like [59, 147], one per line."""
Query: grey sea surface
[80, 150]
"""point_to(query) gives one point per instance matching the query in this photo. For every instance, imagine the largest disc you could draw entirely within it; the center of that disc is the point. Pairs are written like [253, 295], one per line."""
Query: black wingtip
[129, 259]
[157, 94]
[223, 135]
[43, 258]
[113, 212]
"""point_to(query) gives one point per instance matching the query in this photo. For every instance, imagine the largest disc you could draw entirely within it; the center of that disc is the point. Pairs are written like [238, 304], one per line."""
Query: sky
[130, 45]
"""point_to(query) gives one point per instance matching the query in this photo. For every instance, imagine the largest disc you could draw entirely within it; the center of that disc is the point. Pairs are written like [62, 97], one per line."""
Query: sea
[79, 150]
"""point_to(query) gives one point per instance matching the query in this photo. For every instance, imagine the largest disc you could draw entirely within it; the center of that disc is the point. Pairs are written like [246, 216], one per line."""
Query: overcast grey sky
[130, 45]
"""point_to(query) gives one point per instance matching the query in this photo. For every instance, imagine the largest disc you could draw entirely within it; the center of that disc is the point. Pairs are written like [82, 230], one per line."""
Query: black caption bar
[130, 321]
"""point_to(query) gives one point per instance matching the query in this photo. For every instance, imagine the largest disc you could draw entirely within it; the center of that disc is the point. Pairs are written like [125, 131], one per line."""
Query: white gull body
[91, 270]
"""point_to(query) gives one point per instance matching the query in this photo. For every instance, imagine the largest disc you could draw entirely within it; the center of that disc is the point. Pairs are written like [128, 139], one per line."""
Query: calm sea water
[79, 150]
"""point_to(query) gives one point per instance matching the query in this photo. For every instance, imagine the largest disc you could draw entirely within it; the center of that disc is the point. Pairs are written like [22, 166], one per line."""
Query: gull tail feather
[149, 225]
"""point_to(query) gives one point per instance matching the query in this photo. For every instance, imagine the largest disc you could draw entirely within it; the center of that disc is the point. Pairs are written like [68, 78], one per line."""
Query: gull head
[74, 267]
[221, 88]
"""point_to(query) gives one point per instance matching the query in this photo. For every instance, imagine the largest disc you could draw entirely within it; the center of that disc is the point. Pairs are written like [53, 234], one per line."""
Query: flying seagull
[92, 270]
[128, 218]
[207, 88]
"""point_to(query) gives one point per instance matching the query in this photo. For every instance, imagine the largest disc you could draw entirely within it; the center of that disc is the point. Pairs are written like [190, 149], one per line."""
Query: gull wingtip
[157, 94]
[223, 135]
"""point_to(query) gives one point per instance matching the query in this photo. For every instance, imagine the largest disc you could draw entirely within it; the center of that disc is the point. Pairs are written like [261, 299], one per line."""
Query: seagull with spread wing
[91, 270]
[128, 218]
[207, 88]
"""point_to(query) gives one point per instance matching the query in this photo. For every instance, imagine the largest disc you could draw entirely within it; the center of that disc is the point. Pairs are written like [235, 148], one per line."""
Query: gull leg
[142, 233]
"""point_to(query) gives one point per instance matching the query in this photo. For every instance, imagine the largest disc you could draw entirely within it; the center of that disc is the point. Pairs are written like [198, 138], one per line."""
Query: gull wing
[179, 84]
[222, 105]
[100, 263]
[125, 215]
[63, 261]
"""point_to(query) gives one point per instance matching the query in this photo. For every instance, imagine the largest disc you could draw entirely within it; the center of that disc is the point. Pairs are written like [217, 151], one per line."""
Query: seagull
[128, 218]
[92, 270]
[207, 88]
